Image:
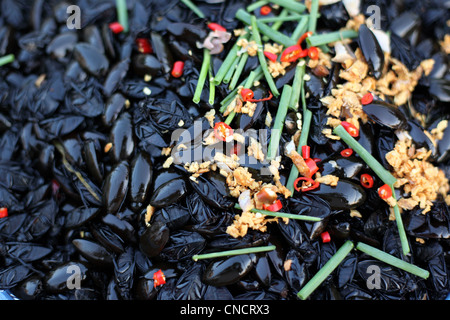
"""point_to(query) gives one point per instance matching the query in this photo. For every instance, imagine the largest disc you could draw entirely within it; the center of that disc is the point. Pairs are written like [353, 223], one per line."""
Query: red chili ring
[306, 152]
[291, 53]
[3, 212]
[385, 192]
[314, 183]
[366, 180]
[313, 53]
[274, 207]
[265, 10]
[216, 27]
[177, 69]
[350, 128]
[271, 56]
[347, 152]
[367, 99]
[303, 37]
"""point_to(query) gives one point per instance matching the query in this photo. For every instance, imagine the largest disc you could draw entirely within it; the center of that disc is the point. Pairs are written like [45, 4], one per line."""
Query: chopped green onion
[122, 14]
[202, 76]
[230, 117]
[322, 39]
[194, 8]
[283, 215]
[273, 35]
[230, 73]
[283, 18]
[234, 252]
[326, 270]
[277, 25]
[313, 13]
[291, 5]
[300, 29]
[237, 73]
[297, 84]
[381, 172]
[7, 59]
[262, 58]
[400, 227]
[229, 61]
[391, 260]
[212, 88]
[256, 5]
[278, 124]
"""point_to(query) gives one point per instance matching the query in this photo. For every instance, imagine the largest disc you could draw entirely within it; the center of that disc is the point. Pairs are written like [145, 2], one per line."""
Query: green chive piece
[230, 117]
[194, 8]
[7, 59]
[122, 14]
[313, 12]
[400, 227]
[291, 5]
[262, 59]
[277, 25]
[297, 84]
[230, 73]
[381, 172]
[278, 124]
[322, 39]
[391, 260]
[256, 5]
[284, 18]
[212, 88]
[237, 73]
[300, 29]
[273, 35]
[282, 214]
[326, 270]
[234, 252]
[229, 61]
[202, 76]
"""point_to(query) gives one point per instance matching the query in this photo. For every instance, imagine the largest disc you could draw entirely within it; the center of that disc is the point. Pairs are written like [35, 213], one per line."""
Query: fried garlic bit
[418, 177]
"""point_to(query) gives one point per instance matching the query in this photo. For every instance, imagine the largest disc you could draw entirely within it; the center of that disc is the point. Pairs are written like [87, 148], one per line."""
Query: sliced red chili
[312, 184]
[313, 53]
[303, 37]
[367, 98]
[317, 160]
[265, 10]
[291, 53]
[158, 278]
[216, 27]
[116, 27]
[366, 180]
[177, 69]
[3, 212]
[274, 207]
[350, 128]
[306, 152]
[144, 45]
[247, 94]
[347, 152]
[222, 131]
[271, 56]
[325, 237]
[385, 192]
[312, 165]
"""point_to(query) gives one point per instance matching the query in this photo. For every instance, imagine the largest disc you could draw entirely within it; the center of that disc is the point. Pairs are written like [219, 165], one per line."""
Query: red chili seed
[367, 98]
[325, 237]
[306, 152]
[3, 212]
[116, 27]
[177, 69]
[347, 152]
[216, 27]
[265, 10]
[366, 180]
